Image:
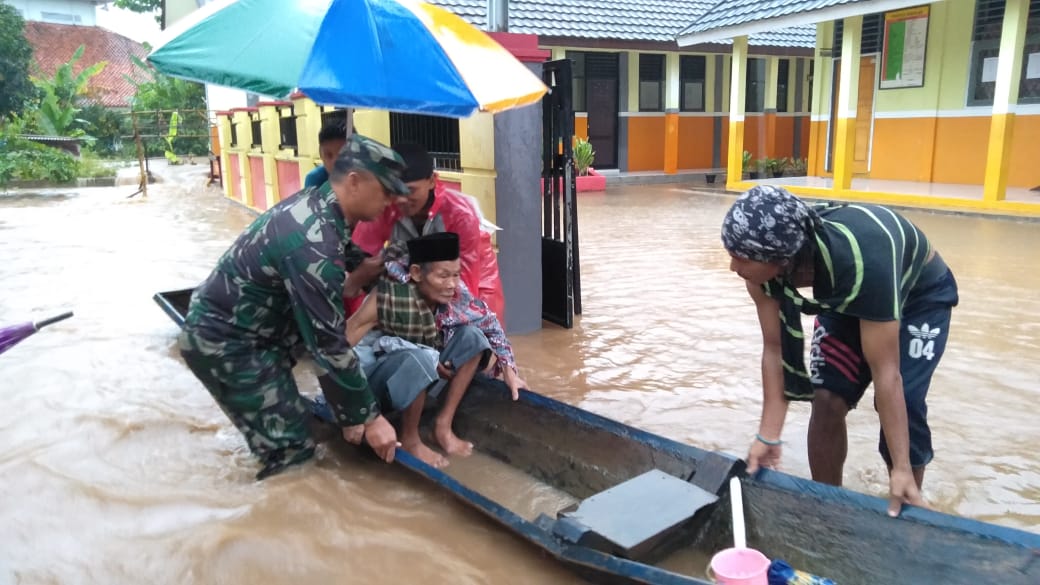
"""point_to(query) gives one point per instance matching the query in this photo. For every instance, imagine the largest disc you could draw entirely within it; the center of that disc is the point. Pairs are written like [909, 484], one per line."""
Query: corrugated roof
[733, 12]
[625, 20]
[54, 44]
[729, 18]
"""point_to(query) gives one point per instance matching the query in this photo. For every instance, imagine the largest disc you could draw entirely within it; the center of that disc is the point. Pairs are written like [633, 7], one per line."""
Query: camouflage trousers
[258, 393]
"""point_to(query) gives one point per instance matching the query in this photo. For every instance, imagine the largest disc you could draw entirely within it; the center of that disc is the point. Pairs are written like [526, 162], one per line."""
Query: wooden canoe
[641, 500]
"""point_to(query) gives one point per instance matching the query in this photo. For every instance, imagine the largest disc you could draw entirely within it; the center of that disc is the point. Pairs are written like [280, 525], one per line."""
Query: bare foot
[425, 454]
[451, 444]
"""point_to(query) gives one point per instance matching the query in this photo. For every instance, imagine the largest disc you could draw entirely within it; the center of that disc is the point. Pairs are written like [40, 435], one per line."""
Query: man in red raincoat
[431, 207]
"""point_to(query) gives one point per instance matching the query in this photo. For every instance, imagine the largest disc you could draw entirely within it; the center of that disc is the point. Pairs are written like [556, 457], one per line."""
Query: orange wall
[804, 147]
[646, 143]
[755, 136]
[784, 144]
[1025, 152]
[903, 149]
[581, 127]
[960, 150]
[696, 135]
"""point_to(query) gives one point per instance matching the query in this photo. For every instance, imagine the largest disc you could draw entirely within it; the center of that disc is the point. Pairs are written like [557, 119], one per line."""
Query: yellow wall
[927, 133]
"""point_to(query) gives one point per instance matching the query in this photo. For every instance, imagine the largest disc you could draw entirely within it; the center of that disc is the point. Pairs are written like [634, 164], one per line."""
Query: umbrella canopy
[400, 55]
[11, 336]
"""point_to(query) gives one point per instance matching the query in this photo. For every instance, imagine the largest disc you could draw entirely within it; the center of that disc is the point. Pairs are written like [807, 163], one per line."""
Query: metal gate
[561, 282]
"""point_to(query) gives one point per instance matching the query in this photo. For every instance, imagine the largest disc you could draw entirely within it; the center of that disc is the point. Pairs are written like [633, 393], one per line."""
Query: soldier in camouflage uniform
[280, 284]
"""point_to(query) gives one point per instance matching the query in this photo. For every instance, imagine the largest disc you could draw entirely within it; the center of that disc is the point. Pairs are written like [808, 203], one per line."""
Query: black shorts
[836, 364]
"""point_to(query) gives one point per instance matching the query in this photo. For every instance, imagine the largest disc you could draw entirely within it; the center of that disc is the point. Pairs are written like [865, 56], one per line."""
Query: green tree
[143, 6]
[15, 86]
[108, 127]
[157, 99]
[62, 94]
[162, 92]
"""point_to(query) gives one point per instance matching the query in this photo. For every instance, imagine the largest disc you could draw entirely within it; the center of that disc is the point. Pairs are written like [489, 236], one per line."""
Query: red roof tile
[54, 44]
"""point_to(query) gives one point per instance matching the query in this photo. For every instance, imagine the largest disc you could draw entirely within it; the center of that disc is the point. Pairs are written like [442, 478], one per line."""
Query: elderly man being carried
[421, 331]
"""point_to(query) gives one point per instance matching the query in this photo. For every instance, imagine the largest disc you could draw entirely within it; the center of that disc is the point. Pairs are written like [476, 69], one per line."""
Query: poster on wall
[906, 41]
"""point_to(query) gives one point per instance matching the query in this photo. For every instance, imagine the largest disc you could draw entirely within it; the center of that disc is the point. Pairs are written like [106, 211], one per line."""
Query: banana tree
[61, 95]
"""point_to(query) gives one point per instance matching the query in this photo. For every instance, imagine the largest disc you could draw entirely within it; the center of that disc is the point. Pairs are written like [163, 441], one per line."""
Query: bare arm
[361, 322]
[774, 405]
[880, 341]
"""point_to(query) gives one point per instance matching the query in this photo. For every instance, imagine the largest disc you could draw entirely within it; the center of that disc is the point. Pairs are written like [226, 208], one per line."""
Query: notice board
[904, 49]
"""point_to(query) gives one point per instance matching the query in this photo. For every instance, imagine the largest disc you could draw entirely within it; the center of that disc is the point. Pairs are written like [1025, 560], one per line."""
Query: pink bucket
[740, 566]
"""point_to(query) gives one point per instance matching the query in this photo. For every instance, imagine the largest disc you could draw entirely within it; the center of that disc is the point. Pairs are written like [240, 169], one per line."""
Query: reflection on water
[669, 342]
[510, 487]
[119, 468]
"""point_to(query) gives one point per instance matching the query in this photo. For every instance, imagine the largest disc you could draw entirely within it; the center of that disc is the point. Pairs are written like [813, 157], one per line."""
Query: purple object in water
[11, 336]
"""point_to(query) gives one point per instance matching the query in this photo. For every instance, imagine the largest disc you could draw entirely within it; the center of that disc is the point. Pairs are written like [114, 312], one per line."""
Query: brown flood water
[119, 468]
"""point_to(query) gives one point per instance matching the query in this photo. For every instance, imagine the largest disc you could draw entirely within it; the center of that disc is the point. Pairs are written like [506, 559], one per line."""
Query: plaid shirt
[402, 313]
[464, 309]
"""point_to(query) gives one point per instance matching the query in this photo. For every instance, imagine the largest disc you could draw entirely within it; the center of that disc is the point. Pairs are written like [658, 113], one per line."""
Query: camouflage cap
[361, 152]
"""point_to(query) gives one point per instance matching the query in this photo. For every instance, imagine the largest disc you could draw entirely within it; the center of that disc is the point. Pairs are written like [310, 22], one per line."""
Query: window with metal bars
[691, 77]
[287, 128]
[234, 132]
[989, 20]
[755, 94]
[873, 33]
[985, 52]
[589, 65]
[577, 79]
[1029, 87]
[783, 76]
[256, 126]
[812, 79]
[651, 82]
[331, 114]
[440, 137]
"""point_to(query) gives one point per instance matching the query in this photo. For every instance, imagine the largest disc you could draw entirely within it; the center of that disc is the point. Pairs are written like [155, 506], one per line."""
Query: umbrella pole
[41, 324]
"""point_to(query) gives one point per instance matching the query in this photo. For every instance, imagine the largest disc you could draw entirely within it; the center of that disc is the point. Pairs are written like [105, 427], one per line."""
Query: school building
[644, 103]
[924, 104]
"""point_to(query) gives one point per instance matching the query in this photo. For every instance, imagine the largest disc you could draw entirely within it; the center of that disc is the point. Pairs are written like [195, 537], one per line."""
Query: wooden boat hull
[825, 530]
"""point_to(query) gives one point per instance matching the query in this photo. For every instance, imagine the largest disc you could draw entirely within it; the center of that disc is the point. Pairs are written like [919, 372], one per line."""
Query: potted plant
[583, 156]
[757, 168]
[588, 179]
[745, 164]
[798, 167]
[775, 166]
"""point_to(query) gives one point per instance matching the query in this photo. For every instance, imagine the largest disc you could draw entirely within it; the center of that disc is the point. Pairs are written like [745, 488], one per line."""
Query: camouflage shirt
[281, 283]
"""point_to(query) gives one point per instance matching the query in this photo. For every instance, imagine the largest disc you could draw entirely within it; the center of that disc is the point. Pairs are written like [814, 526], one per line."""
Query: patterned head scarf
[767, 224]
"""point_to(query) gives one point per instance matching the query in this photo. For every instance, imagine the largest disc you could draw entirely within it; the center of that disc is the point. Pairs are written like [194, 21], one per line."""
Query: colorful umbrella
[10, 336]
[400, 55]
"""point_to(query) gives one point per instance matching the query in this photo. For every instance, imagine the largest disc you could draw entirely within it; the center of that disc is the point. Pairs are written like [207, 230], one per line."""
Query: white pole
[736, 500]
